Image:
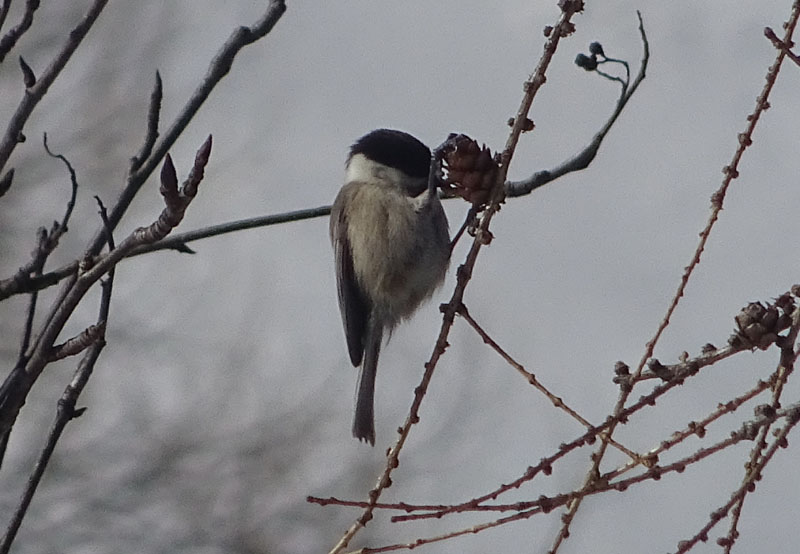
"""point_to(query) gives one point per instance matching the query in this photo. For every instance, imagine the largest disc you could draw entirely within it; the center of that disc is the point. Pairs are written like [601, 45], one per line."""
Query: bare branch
[218, 68]
[34, 94]
[556, 401]
[78, 343]
[66, 410]
[585, 157]
[75, 288]
[731, 172]
[5, 181]
[781, 45]
[10, 39]
[153, 114]
[564, 27]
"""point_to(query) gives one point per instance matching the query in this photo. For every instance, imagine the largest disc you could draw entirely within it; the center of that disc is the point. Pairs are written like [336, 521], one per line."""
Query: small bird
[391, 246]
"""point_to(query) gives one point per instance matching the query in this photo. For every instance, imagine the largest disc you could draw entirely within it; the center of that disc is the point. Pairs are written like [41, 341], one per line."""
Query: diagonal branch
[35, 93]
[10, 39]
[585, 157]
[18, 384]
[731, 172]
[218, 68]
[563, 28]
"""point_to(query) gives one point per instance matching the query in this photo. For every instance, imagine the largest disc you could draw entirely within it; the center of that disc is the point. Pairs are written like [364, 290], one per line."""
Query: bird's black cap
[395, 149]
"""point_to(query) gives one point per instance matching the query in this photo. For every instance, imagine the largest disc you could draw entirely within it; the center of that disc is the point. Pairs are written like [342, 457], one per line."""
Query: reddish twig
[482, 236]
[730, 171]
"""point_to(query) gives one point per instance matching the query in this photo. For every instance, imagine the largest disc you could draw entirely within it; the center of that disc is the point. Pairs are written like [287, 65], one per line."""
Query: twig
[556, 401]
[585, 157]
[4, 7]
[545, 504]
[219, 67]
[140, 171]
[46, 243]
[176, 202]
[678, 374]
[717, 199]
[153, 113]
[754, 473]
[785, 368]
[10, 39]
[482, 236]
[35, 93]
[781, 45]
[65, 411]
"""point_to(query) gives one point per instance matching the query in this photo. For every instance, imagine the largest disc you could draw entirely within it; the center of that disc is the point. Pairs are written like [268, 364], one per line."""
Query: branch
[148, 157]
[10, 39]
[564, 27]
[545, 504]
[90, 272]
[65, 410]
[33, 94]
[141, 169]
[731, 172]
[584, 158]
[153, 113]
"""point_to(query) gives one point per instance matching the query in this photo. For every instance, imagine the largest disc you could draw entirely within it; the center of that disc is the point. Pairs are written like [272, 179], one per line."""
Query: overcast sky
[225, 394]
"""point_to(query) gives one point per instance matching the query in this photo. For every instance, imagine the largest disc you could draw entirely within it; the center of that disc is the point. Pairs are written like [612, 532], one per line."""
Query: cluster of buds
[758, 325]
[471, 170]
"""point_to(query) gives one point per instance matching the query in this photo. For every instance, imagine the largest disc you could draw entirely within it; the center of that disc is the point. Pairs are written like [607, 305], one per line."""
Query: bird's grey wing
[352, 301]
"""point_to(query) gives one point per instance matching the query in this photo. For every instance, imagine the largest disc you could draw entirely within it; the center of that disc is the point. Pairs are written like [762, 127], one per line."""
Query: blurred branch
[176, 201]
[65, 410]
[143, 163]
[10, 39]
[33, 94]
[153, 113]
[220, 65]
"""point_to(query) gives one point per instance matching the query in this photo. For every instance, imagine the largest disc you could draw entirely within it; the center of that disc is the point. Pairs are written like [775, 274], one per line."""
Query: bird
[391, 246]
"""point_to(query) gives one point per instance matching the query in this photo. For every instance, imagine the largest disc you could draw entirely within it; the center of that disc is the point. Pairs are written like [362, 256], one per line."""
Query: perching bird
[392, 248]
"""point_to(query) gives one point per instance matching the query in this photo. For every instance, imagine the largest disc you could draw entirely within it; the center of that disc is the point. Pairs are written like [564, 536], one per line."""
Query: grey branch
[585, 157]
[35, 93]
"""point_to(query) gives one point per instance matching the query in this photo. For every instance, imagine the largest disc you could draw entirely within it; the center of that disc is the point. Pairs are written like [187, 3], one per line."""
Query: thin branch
[545, 504]
[678, 375]
[65, 411]
[785, 368]
[34, 94]
[5, 181]
[77, 287]
[585, 157]
[46, 243]
[561, 29]
[4, 8]
[147, 159]
[219, 67]
[153, 114]
[717, 200]
[10, 39]
[781, 45]
[22, 282]
[749, 482]
[557, 401]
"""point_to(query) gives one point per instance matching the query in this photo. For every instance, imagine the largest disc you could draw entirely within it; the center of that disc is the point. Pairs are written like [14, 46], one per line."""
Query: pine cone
[471, 170]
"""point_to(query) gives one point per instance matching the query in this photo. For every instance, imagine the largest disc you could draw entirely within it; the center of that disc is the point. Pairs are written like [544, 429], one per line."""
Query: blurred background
[225, 394]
